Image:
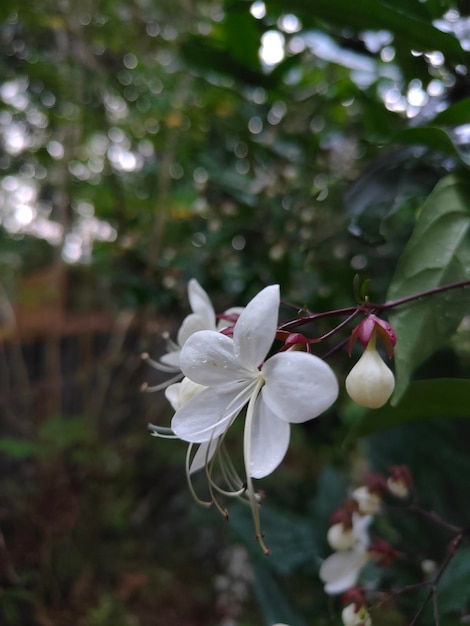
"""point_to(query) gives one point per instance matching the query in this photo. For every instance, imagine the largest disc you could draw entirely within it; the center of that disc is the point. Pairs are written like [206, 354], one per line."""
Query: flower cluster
[226, 366]
[227, 374]
[349, 537]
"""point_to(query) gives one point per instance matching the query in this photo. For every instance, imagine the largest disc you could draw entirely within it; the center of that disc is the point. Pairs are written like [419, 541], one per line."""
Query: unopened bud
[399, 483]
[428, 567]
[370, 383]
[356, 616]
[369, 502]
[340, 538]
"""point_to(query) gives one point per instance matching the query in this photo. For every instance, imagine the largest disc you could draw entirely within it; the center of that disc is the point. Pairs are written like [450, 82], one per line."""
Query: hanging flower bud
[370, 383]
[352, 615]
[368, 329]
[340, 537]
[400, 483]
[369, 502]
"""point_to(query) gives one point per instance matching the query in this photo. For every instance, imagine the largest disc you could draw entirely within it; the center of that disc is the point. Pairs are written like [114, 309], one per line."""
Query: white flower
[353, 616]
[370, 383]
[202, 318]
[340, 571]
[289, 387]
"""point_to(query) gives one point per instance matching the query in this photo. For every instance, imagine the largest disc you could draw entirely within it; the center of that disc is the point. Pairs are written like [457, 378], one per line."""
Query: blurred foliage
[145, 142]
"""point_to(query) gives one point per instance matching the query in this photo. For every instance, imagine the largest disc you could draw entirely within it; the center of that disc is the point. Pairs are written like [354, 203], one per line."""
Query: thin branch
[418, 296]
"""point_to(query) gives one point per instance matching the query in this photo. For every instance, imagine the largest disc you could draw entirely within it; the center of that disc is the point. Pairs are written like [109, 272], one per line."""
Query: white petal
[191, 324]
[207, 358]
[269, 441]
[201, 304]
[361, 525]
[210, 413]
[172, 359]
[340, 571]
[299, 386]
[256, 327]
[203, 455]
[179, 393]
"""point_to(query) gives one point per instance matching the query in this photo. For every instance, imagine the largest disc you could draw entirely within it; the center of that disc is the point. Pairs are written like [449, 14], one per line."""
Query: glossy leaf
[455, 114]
[424, 399]
[437, 253]
[370, 14]
[436, 139]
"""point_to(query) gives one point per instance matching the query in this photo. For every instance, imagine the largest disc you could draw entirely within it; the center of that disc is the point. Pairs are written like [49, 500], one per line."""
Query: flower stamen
[247, 455]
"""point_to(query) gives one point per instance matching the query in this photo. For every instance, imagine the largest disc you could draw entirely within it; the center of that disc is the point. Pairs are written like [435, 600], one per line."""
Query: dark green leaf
[437, 253]
[455, 114]
[424, 399]
[436, 139]
[289, 538]
[453, 591]
[275, 605]
[372, 14]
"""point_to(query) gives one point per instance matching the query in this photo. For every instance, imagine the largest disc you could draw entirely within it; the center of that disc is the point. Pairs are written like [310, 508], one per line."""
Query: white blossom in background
[368, 501]
[340, 571]
[340, 537]
[355, 616]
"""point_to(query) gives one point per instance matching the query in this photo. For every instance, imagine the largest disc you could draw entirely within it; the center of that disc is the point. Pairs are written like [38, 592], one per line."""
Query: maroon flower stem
[417, 296]
[301, 321]
[368, 307]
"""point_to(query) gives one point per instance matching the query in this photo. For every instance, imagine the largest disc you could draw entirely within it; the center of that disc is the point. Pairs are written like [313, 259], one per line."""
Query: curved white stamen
[229, 472]
[247, 454]
[162, 367]
[196, 498]
[161, 431]
[233, 493]
[174, 379]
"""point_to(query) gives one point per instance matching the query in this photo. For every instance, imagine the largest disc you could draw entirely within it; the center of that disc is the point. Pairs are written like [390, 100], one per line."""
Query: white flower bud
[368, 502]
[353, 617]
[428, 567]
[370, 383]
[398, 488]
[340, 538]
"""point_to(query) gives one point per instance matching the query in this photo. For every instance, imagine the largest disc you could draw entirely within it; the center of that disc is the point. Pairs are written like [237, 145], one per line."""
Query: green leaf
[290, 539]
[275, 605]
[424, 399]
[437, 253]
[455, 114]
[434, 138]
[17, 448]
[241, 34]
[418, 34]
[453, 591]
